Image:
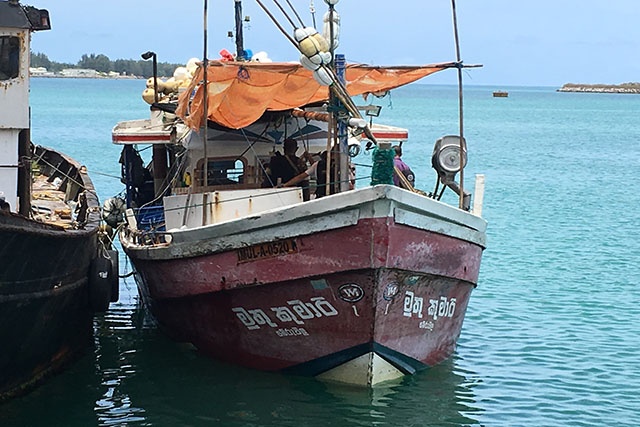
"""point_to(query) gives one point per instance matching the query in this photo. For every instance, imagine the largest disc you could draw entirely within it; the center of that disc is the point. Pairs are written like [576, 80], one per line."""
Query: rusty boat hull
[358, 287]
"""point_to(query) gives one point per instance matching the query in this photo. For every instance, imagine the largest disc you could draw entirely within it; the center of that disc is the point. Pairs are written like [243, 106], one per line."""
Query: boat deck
[48, 203]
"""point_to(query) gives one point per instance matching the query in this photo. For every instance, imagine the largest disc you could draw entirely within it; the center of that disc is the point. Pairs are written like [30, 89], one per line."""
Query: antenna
[312, 10]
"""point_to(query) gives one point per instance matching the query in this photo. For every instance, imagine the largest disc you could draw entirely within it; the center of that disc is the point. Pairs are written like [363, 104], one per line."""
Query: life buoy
[115, 275]
[100, 274]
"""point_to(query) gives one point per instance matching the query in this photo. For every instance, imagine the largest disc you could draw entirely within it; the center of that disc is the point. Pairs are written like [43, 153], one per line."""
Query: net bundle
[382, 171]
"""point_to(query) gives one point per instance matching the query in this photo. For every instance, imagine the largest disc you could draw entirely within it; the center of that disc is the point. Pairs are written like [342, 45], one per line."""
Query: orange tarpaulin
[240, 92]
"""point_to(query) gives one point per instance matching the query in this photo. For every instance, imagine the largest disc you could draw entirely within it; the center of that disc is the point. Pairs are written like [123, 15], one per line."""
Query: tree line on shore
[103, 64]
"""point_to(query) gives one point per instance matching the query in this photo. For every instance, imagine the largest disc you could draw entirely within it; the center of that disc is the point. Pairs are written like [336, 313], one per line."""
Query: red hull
[311, 303]
[299, 322]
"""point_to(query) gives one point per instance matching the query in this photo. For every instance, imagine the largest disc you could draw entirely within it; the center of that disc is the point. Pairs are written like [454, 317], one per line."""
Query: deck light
[447, 159]
[146, 56]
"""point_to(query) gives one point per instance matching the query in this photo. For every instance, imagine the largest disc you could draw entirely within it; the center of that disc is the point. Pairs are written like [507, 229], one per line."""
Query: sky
[518, 42]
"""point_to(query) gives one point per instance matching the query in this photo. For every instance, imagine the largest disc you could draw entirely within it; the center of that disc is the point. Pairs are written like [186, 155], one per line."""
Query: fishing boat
[312, 275]
[54, 273]
[500, 94]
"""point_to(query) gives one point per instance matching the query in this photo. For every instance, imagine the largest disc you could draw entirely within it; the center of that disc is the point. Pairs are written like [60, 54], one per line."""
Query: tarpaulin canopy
[240, 92]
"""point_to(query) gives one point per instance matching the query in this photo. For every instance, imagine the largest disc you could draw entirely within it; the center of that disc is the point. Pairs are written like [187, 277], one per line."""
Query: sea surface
[552, 332]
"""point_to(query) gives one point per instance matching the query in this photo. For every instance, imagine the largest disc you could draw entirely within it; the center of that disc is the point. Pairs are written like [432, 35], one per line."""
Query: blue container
[151, 218]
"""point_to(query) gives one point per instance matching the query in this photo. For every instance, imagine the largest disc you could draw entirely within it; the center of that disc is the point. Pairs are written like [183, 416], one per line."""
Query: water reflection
[439, 396]
[118, 336]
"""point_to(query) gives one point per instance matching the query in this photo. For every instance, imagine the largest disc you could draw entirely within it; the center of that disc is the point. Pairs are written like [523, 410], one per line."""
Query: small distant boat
[500, 94]
[54, 271]
[356, 285]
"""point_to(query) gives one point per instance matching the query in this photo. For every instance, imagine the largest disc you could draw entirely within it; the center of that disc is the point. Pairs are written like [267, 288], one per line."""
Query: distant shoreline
[58, 76]
[633, 88]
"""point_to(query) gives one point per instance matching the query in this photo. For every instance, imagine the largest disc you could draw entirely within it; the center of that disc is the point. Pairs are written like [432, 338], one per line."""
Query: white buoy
[309, 64]
[181, 73]
[323, 77]
[327, 29]
[261, 57]
[192, 65]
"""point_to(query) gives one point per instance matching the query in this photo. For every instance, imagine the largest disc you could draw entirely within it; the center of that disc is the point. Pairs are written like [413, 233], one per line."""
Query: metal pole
[460, 102]
[24, 171]
[205, 64]
[155, 77]
[312, 9]
[239, 36]
[340, 64]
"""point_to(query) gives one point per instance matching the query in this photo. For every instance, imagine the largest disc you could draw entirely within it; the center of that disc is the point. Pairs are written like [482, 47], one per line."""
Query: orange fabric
[239, 93]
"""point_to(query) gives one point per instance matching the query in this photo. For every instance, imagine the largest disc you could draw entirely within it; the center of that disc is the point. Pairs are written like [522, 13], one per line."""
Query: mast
[239, 37]
[337, 126]
[343, 143]
[205, 64]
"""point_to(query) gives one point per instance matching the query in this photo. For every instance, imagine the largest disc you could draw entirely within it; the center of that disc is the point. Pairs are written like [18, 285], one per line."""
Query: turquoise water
[551, 336]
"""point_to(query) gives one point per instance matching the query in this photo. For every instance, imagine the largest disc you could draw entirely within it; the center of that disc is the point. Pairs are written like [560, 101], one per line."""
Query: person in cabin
[134, 174]
[352, 176]
[400, 165]
[317, 172]
[283, 168]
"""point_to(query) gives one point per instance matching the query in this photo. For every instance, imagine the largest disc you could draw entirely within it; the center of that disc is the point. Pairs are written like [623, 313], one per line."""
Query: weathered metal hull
[44, 302]
[374, 288]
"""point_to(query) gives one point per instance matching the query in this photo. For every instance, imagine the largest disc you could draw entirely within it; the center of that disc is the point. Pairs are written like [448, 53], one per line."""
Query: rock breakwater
[601, 88]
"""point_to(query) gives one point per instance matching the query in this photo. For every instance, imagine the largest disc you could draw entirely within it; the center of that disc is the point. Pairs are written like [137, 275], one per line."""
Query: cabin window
[9, 57]
[222, 171]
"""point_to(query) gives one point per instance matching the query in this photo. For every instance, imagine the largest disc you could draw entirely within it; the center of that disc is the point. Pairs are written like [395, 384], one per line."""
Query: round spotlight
[448, 156]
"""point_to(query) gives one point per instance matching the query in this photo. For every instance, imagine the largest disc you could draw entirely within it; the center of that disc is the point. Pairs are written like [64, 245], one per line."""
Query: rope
[67, 176]
[284, 12]
[168, 183]
[105, 174]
